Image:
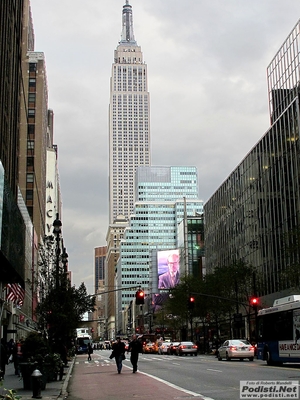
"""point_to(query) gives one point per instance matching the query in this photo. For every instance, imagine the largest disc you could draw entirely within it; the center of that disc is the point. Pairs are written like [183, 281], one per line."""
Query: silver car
[187, 348]
[163, 348]
[236, 348]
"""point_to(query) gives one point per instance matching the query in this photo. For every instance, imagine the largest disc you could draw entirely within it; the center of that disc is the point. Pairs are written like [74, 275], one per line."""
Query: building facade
[114, 236]
[191, 242]
[100, 257]
[18, 242]
[34, 139]
[164, 195]
[99, 320]
[129, 119]
[255, 215]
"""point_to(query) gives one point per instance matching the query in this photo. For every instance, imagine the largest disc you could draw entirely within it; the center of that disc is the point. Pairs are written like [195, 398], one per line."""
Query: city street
[203, 376]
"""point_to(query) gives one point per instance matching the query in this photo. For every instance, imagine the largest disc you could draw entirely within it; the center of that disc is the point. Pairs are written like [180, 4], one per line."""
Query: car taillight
[251, 348]
[195, 347]
[181, 347]
[232, 348]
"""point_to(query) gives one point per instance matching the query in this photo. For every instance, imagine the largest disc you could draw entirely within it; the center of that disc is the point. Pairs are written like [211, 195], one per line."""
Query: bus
[82, 340]
[278, 331]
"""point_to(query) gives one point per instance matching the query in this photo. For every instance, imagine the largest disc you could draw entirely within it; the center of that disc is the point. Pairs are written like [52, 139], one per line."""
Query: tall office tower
[11, 20]
[12, 252]
[163, 196]
[129, 120]
[100, 256]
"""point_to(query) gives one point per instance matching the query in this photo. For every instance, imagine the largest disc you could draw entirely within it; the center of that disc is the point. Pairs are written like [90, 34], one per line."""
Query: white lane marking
[194, 394]
[215, 370]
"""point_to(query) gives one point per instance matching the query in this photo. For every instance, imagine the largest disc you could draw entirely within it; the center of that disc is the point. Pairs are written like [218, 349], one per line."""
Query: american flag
[15, 293]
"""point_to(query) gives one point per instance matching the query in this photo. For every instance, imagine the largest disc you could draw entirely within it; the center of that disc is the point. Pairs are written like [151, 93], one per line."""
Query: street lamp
[64, 259]
[57, 231]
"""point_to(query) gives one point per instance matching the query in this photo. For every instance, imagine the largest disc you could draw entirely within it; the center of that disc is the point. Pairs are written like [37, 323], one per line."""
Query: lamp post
[57, 232]
[64, 260]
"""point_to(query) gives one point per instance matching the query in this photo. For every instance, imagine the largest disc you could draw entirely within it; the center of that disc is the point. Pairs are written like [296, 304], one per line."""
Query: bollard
[36, 377]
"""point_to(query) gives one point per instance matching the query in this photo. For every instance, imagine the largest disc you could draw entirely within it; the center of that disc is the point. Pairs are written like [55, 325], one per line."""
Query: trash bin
[36, 377]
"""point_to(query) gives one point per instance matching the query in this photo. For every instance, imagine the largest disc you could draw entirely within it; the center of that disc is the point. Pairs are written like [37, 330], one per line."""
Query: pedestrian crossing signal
[139, 297]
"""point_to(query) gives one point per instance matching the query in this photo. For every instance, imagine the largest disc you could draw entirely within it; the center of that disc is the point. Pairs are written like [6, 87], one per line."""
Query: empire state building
[129, 119]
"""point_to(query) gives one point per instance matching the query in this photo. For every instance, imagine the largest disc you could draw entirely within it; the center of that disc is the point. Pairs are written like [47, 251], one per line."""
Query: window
[31, 129]
[31, 97]
[29, 195]
[32, 82]
[29, 178]
[30, 161]
[30, 145]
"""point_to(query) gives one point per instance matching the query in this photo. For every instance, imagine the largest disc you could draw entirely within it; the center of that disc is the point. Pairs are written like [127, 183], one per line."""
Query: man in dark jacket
[135, 347]
[118, 353]
[3, 358]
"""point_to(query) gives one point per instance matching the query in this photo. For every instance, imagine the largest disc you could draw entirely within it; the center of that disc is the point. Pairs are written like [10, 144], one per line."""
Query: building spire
[127, 25]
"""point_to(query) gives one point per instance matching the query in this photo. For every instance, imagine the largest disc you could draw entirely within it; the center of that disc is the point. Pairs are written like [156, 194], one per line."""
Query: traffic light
[254, 302]
[191, 303]
[139, 297]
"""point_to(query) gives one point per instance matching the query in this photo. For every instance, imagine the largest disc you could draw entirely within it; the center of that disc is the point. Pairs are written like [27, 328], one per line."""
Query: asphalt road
[218, 380]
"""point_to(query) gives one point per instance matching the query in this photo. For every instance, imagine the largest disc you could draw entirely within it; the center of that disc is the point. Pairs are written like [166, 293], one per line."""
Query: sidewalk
[54, 390]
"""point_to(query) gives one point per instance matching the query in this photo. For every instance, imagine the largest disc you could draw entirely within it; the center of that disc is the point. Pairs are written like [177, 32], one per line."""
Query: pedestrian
[135, 347]
[119, 353]
[3, 358]
[90, 351]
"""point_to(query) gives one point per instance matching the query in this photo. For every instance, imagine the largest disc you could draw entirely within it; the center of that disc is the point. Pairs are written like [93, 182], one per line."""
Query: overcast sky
[207, 63]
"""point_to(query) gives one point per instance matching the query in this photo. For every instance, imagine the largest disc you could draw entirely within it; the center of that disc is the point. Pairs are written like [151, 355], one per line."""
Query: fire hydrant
[36, 384]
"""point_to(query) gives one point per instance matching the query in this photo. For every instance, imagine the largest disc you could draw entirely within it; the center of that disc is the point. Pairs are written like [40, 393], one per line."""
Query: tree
[61, 306]
[62, 309]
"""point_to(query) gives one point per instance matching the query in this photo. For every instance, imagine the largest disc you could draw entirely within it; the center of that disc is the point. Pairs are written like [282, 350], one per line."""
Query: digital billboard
[168, 263]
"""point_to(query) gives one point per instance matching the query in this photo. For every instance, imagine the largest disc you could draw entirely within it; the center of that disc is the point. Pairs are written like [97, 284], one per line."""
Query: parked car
[172, 348]
[236, 348]
[187, 348]
[150, 347]
[163, 348]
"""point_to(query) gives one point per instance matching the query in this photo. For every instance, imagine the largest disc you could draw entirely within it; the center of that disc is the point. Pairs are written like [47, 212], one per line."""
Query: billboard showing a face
[168, 268]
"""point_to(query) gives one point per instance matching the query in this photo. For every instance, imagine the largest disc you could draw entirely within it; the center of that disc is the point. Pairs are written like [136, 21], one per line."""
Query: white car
[163, 348]
[236, 348]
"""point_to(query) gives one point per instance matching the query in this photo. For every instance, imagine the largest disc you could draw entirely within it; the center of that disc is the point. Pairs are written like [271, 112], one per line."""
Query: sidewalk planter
[27, 369]
[52, 366]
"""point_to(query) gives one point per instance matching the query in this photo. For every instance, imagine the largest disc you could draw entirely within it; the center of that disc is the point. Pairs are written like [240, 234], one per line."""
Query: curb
[64, 391]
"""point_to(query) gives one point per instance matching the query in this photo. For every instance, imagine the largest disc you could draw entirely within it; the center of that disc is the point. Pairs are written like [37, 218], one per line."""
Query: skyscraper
[158, 211]
[129, 119]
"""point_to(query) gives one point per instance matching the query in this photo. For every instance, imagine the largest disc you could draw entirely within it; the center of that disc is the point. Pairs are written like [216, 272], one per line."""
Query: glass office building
[163, 196]
[255, 215]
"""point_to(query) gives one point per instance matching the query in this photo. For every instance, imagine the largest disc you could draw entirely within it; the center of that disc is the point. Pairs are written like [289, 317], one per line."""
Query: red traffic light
[140, 297]
[191, 302]
[254, 301]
